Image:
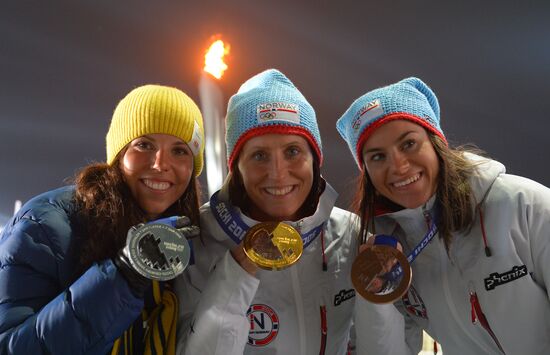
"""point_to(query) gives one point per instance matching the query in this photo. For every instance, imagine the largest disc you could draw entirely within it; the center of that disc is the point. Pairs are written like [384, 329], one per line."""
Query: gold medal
[371, 270]
[273, 245]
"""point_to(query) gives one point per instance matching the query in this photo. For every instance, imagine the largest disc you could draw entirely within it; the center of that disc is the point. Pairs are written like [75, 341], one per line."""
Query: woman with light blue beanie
[477, 239]
[229, 305]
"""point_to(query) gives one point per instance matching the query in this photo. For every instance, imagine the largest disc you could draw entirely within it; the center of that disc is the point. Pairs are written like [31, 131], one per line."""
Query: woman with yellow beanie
[87, 269]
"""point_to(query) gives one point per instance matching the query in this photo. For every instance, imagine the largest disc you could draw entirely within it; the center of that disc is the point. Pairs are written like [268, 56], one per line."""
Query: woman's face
[157, 168]
[277, 172]
[402, 163]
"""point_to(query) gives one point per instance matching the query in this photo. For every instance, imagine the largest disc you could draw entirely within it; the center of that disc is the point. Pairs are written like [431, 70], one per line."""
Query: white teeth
[278, 191]
[406, 182]
[156, 185]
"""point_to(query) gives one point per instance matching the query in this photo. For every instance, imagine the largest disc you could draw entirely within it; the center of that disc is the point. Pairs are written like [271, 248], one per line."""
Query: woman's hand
[243, 260]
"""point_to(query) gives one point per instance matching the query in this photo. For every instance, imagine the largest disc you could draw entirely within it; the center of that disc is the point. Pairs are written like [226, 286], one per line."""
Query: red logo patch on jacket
[264, 324]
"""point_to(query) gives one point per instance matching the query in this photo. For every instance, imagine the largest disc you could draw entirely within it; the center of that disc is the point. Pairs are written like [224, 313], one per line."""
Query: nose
[400, 163]
[161, 160]
[277, 167]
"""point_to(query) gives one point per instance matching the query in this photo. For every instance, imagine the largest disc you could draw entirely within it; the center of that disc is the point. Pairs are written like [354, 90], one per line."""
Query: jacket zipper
[323, 330]
[299, 310]
[449, 300]
[478, 316]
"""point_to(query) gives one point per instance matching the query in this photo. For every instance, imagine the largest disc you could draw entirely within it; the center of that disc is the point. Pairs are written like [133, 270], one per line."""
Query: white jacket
[511, 284]
[225, 310]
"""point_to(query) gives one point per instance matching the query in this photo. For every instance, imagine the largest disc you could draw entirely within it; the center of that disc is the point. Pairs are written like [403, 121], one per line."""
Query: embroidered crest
[196, 140]
[278, 111]
[367, 113]
[264, 324]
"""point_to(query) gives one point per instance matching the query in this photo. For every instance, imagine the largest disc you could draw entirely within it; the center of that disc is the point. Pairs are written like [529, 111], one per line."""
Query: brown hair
[107, 209]
[455, 197]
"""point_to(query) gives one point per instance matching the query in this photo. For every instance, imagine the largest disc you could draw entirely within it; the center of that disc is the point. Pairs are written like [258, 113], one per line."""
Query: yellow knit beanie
[156, 109]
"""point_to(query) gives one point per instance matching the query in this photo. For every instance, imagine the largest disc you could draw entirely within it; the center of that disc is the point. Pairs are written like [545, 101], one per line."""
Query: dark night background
[64, 65]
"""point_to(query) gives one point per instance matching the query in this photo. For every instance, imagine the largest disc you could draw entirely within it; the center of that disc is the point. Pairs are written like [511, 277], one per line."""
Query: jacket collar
[322, 213]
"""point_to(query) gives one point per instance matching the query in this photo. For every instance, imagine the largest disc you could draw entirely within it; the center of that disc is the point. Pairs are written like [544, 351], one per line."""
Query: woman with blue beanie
[230, 305]
[80, 271]
[477, 239]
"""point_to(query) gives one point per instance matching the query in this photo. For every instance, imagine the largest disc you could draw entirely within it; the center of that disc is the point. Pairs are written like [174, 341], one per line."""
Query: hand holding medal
[381, 273]
[159, 250]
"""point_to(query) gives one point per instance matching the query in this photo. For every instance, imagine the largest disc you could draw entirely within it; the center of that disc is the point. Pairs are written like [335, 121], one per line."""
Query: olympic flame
[213, 59]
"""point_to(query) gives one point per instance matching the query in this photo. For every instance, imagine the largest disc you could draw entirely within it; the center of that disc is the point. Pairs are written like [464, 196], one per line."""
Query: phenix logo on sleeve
[278, 111]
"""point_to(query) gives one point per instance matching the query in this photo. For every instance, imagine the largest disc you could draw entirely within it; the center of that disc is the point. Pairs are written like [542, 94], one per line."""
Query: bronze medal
[372, 270]
[273, 245]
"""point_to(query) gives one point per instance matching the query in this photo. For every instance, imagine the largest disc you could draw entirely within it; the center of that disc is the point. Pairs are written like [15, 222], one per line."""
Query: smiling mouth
[406, 182]
[159, 186]
[279, 191]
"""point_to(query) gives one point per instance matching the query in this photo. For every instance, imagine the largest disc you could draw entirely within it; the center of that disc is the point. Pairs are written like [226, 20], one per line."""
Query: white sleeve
[219, 324]
[536, 208]
[380, 329]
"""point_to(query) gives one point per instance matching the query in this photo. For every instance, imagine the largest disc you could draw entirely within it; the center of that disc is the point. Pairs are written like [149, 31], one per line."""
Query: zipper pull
[472, 304]
[473, 301]
[324, 330]
[478, 316]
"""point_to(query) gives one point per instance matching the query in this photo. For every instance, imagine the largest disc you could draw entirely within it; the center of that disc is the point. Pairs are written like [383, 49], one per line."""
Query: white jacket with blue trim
[225, 310]
[511, 284]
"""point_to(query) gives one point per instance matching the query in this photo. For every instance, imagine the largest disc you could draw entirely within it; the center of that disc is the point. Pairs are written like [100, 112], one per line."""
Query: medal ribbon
[233, 225]
[396, 272]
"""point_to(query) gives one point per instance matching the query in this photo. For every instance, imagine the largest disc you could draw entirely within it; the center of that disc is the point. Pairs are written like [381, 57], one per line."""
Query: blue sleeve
[41, 315]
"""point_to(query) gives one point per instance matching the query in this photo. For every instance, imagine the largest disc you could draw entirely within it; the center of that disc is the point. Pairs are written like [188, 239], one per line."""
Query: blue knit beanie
[410, 99]
[269, 103]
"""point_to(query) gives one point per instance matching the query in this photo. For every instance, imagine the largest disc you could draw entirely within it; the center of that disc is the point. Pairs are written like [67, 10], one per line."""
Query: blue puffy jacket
[42, 310]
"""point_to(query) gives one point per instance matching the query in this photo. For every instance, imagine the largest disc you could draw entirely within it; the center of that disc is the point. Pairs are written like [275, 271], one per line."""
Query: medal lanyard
[423, 243]
[432, 231]
[233, 225]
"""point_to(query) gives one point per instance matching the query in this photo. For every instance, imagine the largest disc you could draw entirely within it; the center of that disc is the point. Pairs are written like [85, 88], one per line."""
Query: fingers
[182, 221]
[243, 260]
[190, 231]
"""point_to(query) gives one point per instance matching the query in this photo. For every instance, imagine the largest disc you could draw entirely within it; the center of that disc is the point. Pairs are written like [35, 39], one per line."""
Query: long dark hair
[454, 194]
[238, 196]
[107, 209]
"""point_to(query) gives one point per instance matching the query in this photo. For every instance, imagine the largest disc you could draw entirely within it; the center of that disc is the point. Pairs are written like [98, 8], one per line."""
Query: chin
[281, 216]
[414, 204]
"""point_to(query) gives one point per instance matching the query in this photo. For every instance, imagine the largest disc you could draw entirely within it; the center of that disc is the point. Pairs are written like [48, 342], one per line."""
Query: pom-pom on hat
[269, 103]
[153, 109]
[410, 99]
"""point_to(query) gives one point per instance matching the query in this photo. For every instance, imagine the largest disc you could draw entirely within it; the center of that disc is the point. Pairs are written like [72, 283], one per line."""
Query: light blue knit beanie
[410, 99]
[269, 103]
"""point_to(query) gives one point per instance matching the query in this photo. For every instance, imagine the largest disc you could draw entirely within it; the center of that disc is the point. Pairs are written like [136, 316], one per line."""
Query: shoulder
[520, 189]
[60, 200]
[43, 224]
[343, 222]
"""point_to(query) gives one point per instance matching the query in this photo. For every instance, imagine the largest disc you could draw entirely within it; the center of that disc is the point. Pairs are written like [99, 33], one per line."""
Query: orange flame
[213, 59]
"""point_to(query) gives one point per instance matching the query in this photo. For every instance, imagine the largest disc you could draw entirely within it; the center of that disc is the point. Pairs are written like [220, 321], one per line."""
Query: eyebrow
[400, 138]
